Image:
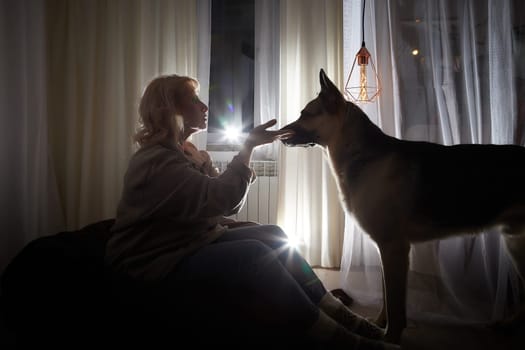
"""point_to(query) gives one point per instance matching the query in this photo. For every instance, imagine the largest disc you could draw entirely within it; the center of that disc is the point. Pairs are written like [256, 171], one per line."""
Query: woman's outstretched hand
[260, 136]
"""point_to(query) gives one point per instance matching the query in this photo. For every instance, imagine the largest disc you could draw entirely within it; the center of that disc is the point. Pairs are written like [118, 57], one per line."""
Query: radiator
[261, 204]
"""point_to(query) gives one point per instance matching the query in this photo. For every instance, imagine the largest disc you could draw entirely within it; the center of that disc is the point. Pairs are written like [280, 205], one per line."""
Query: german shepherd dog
[401, 192]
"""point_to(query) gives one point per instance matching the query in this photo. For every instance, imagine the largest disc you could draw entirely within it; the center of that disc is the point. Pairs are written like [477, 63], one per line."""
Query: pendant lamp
[363, 83]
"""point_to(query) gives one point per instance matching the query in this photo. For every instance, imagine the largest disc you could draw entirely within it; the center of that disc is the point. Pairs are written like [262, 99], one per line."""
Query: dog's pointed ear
[324, 80]
[330, 94]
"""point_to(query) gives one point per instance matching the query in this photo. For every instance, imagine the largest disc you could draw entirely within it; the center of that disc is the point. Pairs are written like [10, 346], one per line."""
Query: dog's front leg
[394, 257]
[381, 318]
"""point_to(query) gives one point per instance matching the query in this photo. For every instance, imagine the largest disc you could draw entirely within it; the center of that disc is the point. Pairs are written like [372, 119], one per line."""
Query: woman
[171, 227]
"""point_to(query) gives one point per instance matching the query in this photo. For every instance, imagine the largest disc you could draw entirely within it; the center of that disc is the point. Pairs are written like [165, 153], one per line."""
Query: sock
[334, 308]
[329, 332]
[324, 328]
[344, 339]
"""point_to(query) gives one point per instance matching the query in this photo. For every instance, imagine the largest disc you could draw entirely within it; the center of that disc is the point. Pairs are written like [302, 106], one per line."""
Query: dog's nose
[285, 142]
[288, 141]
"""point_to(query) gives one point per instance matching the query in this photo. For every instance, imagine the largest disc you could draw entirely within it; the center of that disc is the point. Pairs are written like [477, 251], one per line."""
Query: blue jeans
[250, 276]
[274, 237]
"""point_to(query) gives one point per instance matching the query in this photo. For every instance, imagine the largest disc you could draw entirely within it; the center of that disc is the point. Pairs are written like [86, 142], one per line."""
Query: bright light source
[293, 242]
[232, 134]
[415, 52]
[363, 93]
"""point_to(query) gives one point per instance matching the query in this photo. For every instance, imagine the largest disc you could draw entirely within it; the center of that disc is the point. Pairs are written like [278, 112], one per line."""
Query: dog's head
[315, 125]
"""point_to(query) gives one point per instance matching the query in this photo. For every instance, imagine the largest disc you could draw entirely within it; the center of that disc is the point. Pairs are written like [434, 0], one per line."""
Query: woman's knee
[254, 256]
[254, 244]
[277, 231]
[252, 248]
[273, 236]
[215, 260]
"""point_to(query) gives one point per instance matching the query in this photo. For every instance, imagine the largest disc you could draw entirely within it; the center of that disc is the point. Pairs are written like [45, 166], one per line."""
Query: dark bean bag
[57, 293]
[55, 290]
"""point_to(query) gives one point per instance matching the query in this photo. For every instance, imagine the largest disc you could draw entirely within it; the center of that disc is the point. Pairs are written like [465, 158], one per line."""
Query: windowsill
[225, 152]
[223, 148]
[226, 156]
[222, 156]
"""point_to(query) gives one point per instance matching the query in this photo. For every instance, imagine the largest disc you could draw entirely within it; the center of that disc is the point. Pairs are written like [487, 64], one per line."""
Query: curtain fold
[308, 207]
[266, 67]
[460, 88]
[203, 58]
[102, 55]
[28, 188]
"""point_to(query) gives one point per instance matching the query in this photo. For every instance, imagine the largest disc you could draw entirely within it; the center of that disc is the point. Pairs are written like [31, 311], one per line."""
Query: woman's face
[194, 112]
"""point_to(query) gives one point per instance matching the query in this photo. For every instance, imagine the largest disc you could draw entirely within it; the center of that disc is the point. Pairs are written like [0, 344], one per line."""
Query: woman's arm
[174, 188]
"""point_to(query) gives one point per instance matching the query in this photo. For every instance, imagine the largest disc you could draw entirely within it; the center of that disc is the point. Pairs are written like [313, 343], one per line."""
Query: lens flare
[293, 242]
[232, 133]
[230, 106]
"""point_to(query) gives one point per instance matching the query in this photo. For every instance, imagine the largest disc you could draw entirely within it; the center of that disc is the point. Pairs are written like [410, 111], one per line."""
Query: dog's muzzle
[300, 138]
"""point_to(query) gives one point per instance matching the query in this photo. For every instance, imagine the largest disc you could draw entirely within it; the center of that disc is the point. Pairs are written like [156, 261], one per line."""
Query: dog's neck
[356, 142]
[356, 136]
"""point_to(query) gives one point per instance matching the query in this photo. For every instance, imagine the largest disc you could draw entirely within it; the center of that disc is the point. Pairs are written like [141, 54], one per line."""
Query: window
[231, 98]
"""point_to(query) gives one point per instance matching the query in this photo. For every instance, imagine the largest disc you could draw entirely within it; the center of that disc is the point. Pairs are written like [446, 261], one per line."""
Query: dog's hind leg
[394, 257]
[381, 318]
[514, 236]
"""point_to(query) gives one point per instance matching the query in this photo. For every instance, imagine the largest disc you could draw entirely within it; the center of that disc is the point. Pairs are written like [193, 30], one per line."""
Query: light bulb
[363, 93]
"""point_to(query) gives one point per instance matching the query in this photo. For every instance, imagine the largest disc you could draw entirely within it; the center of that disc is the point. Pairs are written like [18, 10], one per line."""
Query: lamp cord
[363, 25]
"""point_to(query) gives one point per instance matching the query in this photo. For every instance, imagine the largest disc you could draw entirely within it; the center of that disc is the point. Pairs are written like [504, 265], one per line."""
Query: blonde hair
[159, 119]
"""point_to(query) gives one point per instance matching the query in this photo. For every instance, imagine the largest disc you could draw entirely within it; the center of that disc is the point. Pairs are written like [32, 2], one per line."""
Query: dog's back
[464, 188]
[430, 190]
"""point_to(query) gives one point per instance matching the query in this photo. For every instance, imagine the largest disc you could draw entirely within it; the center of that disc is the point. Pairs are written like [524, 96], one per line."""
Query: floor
[427, 337]
[330, 279]
[6, 339]
[435, 337]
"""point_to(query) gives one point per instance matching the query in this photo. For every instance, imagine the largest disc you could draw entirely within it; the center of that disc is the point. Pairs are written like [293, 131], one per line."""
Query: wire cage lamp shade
[363, 84]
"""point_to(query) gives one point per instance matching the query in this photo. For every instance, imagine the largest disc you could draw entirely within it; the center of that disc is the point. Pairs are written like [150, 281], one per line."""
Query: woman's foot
[334, 308]
[357, 324]
[344, 339]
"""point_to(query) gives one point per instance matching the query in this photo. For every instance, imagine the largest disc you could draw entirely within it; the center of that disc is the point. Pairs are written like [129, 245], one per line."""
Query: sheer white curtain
[203, 55]
[28, 191]
[309, 209]
[103, 55]
[72, 73]
[266, 67]
[460, 88]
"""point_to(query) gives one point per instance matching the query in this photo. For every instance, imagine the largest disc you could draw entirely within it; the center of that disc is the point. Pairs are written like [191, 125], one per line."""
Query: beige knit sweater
[173, 203]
